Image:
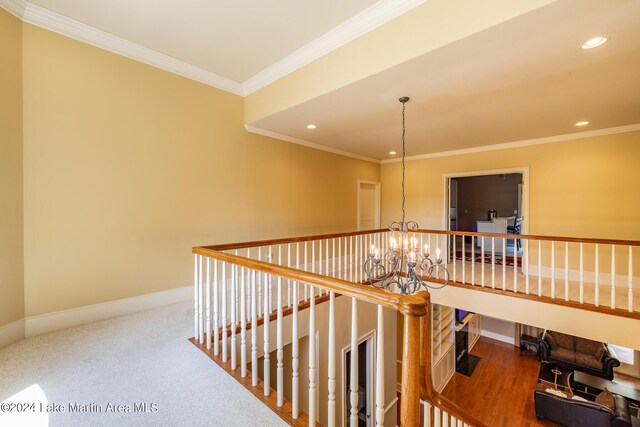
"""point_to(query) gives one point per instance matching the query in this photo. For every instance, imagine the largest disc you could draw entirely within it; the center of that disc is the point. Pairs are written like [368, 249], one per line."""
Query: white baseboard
[44, 323]
[498, 337]
[11, 333]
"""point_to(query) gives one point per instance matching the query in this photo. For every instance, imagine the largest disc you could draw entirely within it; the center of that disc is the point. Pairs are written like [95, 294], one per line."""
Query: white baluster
[234, 280]
[493, 263]
[237, 293]
[504, 264]
[254, 329]
[581, 273]
[333, 257]
[249, 294]
[326, 260]
[208, 303]
[630, 280]
[280, 353]
[553, 269]
[265, 334]
[312, 358]
[515, 265]
[259, 285]
[294, 354]
[339, 275]
[320, 263]
[331, 405]
[306, 267]
[539, 268]
[216, 296]
[200, 300]
[351, 258]
[597, 281]
[224, 312]
[196, 320]
[566, 271]
[473, 261]
[613, 276]
[270, 288]
[289, 280]
[482, 260]
[527, 261]
[353, 383]
[464, 273]
[243, 326]
[454, 255]
[380, 369]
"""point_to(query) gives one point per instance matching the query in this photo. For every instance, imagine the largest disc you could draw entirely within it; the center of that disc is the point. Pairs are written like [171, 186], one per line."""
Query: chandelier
[404, 265]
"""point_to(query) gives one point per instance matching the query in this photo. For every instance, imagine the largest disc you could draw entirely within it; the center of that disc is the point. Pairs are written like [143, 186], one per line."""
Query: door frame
[524, 170]
[370, 338]
[376, 201]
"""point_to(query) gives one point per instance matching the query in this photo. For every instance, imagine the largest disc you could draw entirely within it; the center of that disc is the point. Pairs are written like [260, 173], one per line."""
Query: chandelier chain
[403, 154]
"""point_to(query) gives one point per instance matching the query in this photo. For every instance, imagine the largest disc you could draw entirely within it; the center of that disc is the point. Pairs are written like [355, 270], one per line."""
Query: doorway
[368, 215]
[366, 385]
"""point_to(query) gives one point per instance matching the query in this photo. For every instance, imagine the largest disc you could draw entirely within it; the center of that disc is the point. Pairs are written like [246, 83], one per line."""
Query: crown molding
[14, 7]
[280, 136]
[367, 20]
[68, 27]
[524, 143]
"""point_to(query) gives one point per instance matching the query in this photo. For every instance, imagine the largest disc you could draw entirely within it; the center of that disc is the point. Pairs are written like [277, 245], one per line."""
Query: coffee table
[555, 376]
[593, 386]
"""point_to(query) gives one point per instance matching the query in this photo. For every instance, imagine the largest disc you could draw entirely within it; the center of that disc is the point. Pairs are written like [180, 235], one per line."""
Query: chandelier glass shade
[405, 265]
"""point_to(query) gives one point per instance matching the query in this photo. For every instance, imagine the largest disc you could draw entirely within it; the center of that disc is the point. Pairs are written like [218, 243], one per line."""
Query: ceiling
[524, 79]
[235, 39]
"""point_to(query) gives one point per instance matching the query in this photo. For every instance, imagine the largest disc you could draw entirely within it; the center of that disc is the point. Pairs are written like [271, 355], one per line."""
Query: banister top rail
[535, 237]
[412, 305]
[243, 245]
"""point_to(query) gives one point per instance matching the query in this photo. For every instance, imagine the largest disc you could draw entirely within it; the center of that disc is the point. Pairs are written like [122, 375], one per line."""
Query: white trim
[498, 337]
[524, 170]
[390, 405]
[14, 7]
[13, 332]
[524, 143]
[44, 323]
[369, 19]
[376, 202]
[287, 138]
[68, 27]
[371, 337]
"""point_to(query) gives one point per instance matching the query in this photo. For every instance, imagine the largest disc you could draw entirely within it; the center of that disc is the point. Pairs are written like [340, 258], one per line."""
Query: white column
[195, 297]
[216, 295]
[288, 280]
[597, 281]
[259, 286]
[306, 268]
[630, 279]
[581, 273]
[254, 328]
[280, 353]
[515, 265]
[200, 300]
[331, 405]
[504, 264]
[553, 269]
[539, 268]
[566, 271]
[380, 369]
[294, 354]
[265, 335]
[613, 276]
[224, 312]
[464, 273]
[353, 383]
[234, 281]
[312, 357]
[243, 326]
[473, 261]
[527, 261]
[482, 260]
[208, 303]
[493, 262]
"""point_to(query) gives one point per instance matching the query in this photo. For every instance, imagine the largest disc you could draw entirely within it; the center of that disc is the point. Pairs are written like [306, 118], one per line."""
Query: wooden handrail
[535, 237]
[258, 243]
[413, 305]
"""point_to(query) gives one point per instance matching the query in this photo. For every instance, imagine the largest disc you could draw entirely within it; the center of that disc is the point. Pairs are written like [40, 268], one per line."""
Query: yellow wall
[585, 187]
[11, 260]
[127, 166]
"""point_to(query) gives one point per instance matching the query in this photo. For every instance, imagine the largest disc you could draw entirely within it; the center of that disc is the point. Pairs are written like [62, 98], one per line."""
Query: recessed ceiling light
[583, 123]
[594, 42]
[393, 153]
[311, 126]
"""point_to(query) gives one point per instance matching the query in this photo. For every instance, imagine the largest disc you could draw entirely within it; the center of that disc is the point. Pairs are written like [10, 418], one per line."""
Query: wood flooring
[500, 391]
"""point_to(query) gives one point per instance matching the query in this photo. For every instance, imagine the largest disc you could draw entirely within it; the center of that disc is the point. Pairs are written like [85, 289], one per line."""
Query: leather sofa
[580, 354]
[570, 412]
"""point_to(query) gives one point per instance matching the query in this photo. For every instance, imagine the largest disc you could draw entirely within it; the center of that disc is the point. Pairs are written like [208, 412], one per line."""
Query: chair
[516, 229]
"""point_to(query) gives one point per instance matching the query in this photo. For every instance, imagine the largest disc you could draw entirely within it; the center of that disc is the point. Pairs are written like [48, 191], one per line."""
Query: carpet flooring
[142, 358]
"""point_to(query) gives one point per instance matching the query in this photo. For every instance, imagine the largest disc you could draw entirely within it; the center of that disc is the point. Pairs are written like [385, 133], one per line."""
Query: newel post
[411, 372]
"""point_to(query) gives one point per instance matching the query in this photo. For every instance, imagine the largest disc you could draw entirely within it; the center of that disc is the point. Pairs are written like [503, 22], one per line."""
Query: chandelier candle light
[404, 265]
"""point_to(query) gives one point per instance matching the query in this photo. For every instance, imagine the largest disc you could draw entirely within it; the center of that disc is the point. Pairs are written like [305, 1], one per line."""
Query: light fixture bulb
[311, 126]
[393, 153]
[583, 123]
[594, 42]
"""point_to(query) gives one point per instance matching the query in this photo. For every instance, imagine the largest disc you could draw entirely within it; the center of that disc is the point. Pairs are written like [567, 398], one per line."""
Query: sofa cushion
[564, 354]
[588, 360]
[606, 399]
[564, 340]
[594, 348]
[552, 342]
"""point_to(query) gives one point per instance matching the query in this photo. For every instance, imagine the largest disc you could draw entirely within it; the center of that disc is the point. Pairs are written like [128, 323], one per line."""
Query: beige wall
[585, 187]
[127, 166]
[11, 215]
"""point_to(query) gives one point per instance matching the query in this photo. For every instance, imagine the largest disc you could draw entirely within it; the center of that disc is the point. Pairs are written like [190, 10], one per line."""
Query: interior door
[368, 205]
